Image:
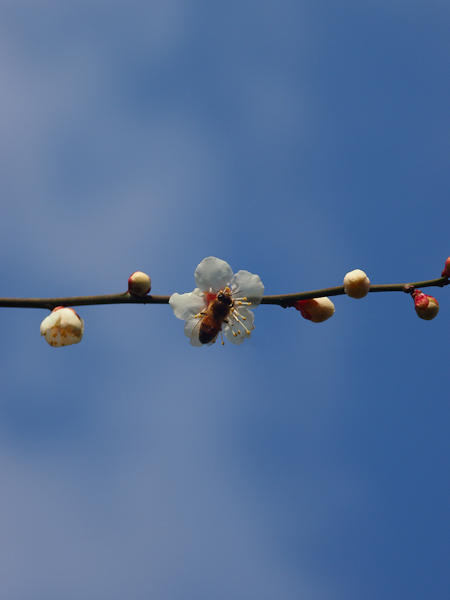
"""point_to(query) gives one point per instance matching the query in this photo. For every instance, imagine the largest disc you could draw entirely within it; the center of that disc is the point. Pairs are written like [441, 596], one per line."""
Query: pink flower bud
[139, 284]
[446, 271]
[426, 307]
[316, 310]
[356, 284]
[62, 327]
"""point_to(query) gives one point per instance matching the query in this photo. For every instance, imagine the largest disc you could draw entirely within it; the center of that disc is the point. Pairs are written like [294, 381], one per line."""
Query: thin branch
[282, 300]
[287, 299]
[51, 303]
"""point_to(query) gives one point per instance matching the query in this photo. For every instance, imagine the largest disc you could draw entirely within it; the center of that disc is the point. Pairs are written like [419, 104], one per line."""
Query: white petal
[213, 273]
[243, 311]
[70, 321]
[240, 325]
[187, 305]
[53, 336]
[249, 285]
[57, 337]
[191, 327]
[52, 319]
[191, 330]
[238, 339]
[67, 338]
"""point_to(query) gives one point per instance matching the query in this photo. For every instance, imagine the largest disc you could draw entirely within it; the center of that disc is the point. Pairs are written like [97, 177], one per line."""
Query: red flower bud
[446, 271]
[426, 306]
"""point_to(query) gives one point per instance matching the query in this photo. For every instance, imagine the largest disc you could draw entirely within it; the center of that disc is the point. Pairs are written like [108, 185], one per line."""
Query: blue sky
[297, 141]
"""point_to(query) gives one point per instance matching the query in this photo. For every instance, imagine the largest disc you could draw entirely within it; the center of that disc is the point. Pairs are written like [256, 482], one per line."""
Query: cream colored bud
[139, 284]
[356, 284]
[316, 310]
[62, 327]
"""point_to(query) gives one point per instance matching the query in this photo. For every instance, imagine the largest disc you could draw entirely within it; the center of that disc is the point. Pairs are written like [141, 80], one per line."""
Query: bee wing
[191, 330]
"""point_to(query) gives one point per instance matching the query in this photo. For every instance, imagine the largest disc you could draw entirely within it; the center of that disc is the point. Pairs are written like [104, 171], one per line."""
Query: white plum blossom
[62, 327]
[213, 277]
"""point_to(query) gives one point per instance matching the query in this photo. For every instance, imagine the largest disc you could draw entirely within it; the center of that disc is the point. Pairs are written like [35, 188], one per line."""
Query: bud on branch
[221, 303]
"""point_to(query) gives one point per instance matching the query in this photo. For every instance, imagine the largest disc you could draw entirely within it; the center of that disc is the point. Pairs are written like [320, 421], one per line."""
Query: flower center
[235, 319]
[210, 297]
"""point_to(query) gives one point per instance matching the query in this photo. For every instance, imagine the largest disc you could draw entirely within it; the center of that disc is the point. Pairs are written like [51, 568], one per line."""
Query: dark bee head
[224, 298]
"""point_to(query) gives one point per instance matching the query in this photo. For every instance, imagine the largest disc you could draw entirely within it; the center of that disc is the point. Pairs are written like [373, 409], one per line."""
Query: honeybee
[217, 313]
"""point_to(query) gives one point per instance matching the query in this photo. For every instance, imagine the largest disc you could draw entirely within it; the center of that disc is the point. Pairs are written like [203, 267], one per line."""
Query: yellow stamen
[235, 314]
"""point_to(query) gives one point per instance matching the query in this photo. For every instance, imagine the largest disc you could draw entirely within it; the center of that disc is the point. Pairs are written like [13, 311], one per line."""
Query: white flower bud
[139, 284]
[62, 327]
[356, 284]
[316, 310]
